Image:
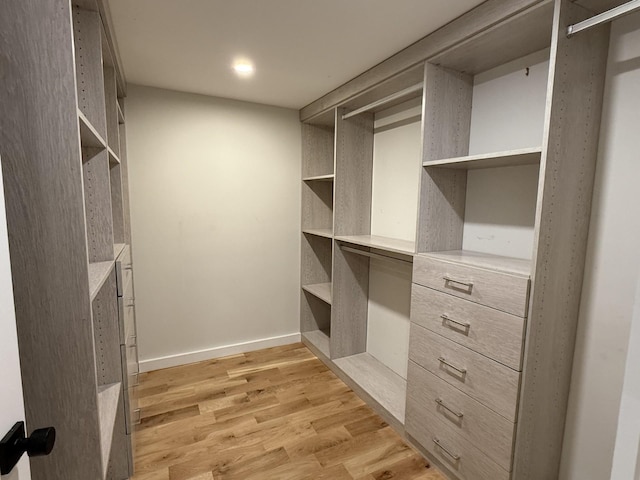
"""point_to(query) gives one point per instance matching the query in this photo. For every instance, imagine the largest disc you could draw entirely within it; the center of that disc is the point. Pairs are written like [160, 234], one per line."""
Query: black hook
[15, 444]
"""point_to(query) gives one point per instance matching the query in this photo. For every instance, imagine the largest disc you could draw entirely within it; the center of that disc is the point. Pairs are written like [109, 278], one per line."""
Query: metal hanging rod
[608, 16]
[374, 255]
[378, 103]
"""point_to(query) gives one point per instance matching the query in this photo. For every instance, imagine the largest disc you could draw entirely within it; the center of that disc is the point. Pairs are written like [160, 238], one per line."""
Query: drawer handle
[445, 449]
[132, 304]
[442, 404]
[133, 341]
[128, 267]
[136, 381]
[137, 416]
[442, 360]
[448, 319]
[467, 285]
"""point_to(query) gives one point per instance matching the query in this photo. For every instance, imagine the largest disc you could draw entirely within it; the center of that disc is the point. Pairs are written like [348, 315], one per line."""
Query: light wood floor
[274, 414]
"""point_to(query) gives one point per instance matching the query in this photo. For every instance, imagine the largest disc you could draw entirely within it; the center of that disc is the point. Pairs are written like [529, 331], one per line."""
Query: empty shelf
[383, 384]
[113, 158]
[320, 290]
[319, 339]
[525, 156]
[108, 400]
[98, 273]
[89, 136]
[395, 245]
[319, 178]
[517, 266]
[319, 232]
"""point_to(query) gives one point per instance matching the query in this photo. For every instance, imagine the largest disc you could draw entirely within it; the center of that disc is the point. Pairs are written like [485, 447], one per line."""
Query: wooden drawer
[126, 314]
[493, 333]
[130, 368]
[503, 291]
[488, 431]
[451, 448]
[483, 379]
[123, 270]
[132, 412]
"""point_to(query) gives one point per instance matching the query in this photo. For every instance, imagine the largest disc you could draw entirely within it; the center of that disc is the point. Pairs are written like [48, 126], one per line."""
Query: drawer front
[502, 291]
[132, 412]
[126, 315]
[483, 379]
[123, 270]
[451, 448]
[493, 333]
[488, 431]
[130, 369]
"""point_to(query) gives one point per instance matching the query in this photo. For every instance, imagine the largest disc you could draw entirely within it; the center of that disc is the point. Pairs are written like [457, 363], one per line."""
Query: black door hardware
[15, 443]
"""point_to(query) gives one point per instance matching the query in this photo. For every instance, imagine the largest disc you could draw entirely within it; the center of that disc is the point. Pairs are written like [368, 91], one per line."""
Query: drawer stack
[128, 341]
[465, 364]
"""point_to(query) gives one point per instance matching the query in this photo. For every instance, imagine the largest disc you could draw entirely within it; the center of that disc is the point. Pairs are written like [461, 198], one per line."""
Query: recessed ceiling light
[243, 68]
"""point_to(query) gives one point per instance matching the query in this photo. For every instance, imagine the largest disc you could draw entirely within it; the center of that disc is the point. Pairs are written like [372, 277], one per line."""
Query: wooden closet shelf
[98, 274]
[113, 158]
[383, 384]
[517, 266]
[108, 400]
[388, 244]
[89, 136]
[120, 114]
[320, 178]
[117, 249]
[319, 339]
[320, 290]
[524, 156]
[319, 232]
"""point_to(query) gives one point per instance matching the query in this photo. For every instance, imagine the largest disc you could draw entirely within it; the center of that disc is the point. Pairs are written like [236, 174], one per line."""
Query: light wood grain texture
[320, 232]
[527, 32]
[487, 381]
[488, 261]
[320, 290]
[320, 178]
[117, 210]
[106, 333]
[271, 414]
[488, 431]
[317, 150]
[124, 269]
[97, 201]
[350, 304]
[88, 65]
[525, 156]
[464, 27]
[447, 120]
[89, 137]
[316, 258]
[320, 339]
[354, 167]
[42, 170]
[383, 384]
[599, 6]
[562, 222]
[503, 291]
[113, 157]
[385, 244]
[317, 205]
[98, 274]
[126, 316]
[472, 464]
[121, 458]
[108, 399]
[111, 108]
[117, 249]
[493, 333]
[125, 184]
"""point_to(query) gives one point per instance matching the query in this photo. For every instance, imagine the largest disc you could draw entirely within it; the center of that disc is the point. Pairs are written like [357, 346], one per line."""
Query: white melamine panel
[389, 306]
[509, 104]
[500, 210]
[611, 269]
[215, 206]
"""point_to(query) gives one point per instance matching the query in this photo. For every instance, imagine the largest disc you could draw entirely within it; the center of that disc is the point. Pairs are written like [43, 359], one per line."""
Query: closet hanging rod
[374, 255]
[608, 16]
[383, 101]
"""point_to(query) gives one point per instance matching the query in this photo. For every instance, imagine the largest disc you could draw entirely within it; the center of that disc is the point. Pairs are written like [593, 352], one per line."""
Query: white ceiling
[301, 49]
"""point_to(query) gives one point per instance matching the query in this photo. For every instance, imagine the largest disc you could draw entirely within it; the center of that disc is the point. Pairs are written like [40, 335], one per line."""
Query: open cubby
[97, 203]
[317, 205]
[117, 207]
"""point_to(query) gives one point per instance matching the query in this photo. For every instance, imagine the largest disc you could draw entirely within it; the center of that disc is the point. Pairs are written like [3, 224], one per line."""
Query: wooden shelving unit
[320, 290]
[319, 232]
[386, 244]
[525, 156]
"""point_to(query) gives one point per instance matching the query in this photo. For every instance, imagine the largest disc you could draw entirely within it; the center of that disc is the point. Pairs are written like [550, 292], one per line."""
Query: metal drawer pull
[441, 403]
[445, 450]
[128, 267]
[468, 285]
[442, 360]
[446, 318]
[137, 416]
[136, 381]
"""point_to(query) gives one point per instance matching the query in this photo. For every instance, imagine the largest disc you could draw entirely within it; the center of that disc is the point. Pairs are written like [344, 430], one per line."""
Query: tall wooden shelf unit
[492, 337]
[63, 155]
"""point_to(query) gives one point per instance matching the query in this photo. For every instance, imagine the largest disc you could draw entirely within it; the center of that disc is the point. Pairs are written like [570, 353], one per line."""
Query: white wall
[613, 263]
[215, 205]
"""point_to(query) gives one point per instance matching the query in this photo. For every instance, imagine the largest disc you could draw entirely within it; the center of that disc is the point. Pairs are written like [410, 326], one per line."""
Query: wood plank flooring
[273, 414]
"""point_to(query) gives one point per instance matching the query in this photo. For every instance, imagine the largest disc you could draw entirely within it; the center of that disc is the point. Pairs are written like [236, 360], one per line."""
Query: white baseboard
[216, 352]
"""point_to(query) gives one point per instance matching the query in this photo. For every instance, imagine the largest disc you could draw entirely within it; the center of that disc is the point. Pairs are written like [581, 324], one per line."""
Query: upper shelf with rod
[604, 17]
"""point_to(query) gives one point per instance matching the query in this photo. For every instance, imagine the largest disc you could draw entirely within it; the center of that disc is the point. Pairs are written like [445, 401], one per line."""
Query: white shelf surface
[319, 232]
[108, 400]
[394, 245]
[383, 384]
[319, 339]
[319, 178]
[524, 156]
[89, 136]
[517, 266]
[98, 274]
[320, 290]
